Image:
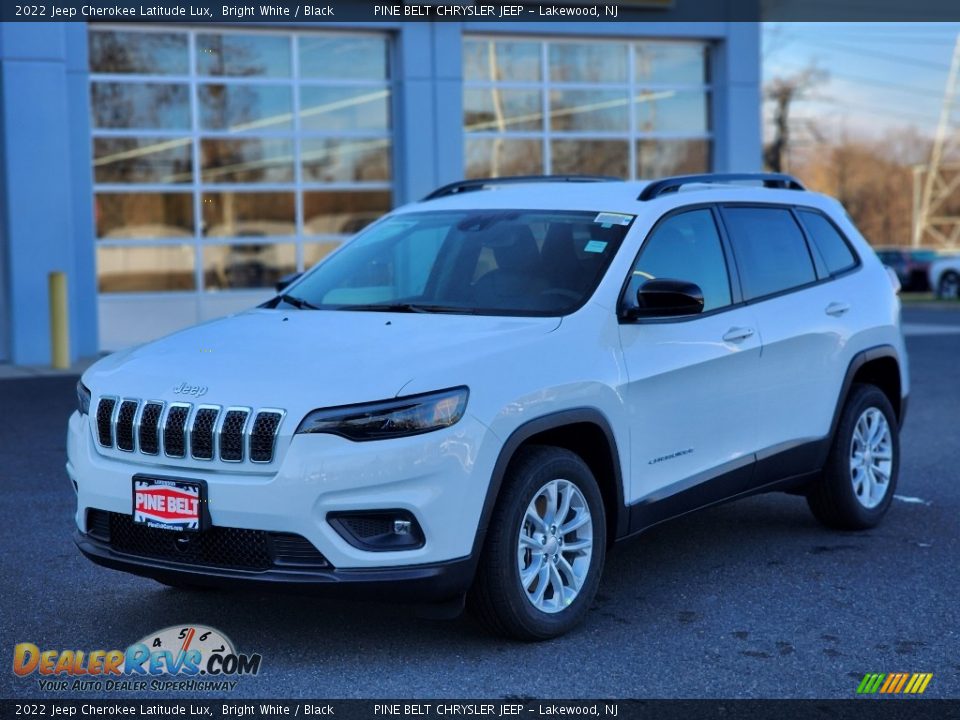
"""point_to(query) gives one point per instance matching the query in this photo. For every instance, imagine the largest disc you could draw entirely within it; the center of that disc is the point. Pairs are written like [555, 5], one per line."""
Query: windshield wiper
[407, 308]
[298, 303]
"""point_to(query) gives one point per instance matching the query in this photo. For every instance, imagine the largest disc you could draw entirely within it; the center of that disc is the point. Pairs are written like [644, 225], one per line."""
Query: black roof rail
[480, 183]
[672, 184]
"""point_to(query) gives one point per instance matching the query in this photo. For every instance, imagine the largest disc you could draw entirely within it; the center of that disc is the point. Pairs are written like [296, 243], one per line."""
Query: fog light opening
[378, 530]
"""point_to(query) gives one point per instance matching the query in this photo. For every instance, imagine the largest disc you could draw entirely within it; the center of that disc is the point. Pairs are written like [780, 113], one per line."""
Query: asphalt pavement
[749, 599]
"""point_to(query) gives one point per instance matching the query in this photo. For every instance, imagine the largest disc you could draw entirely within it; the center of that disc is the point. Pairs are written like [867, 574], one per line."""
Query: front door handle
[836, 309]
[737, 334]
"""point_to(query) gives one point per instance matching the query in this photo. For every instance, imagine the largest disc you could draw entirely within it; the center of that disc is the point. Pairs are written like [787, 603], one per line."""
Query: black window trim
[737, 297]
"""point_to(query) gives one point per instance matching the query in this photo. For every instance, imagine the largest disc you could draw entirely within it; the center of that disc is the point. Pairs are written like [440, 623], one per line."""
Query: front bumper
[440, 478]
[424, 583]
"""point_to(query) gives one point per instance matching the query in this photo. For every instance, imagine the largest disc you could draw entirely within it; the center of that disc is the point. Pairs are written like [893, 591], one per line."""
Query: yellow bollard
[59, 321]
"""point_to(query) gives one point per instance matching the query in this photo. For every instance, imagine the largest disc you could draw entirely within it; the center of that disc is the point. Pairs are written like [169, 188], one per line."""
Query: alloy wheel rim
[555, 546]
[871, 458]
[950, 287]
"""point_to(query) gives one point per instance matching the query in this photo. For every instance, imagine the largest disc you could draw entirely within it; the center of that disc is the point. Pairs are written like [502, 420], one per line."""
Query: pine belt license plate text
[175, 505]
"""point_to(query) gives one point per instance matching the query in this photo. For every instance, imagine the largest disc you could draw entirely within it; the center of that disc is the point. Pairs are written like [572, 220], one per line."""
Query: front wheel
[860, 477]
[544, 549]
[949, 286]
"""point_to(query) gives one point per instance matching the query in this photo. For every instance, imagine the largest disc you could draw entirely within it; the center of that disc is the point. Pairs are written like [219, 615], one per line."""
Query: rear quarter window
[770, 249]
[833, 248]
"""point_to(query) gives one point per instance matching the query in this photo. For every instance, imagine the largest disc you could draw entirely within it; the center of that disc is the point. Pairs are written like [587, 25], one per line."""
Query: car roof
[610, 196]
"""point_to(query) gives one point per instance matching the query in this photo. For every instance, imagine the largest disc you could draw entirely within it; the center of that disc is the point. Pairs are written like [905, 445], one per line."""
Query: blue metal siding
[40, 188]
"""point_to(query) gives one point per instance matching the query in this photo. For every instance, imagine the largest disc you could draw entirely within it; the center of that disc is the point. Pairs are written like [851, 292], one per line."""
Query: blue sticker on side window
[595, 246]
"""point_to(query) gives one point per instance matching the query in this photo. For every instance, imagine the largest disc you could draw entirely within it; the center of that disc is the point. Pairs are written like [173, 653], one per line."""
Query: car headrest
[514, 247]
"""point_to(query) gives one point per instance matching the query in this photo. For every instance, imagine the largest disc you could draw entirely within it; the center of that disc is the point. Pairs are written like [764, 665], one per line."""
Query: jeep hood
[303, 359]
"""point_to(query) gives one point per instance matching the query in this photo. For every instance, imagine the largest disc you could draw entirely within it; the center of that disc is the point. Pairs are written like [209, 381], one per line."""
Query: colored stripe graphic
[903, 681]
[894, 683]
[870, 683]
[892, 680]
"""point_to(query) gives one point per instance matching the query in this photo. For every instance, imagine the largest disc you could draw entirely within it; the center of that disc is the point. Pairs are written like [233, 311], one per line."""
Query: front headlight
[83, 398]
[399, 417]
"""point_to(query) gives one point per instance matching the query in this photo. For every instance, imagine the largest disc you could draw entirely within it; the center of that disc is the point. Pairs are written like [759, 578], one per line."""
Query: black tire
[832, 498]
[948, 288]
[497, 598]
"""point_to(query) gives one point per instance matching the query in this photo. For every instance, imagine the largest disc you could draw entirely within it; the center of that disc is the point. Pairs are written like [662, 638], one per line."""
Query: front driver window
[686, 247]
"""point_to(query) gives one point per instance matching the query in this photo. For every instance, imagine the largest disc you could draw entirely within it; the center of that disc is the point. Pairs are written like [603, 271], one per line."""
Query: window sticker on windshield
[595, 246]
[608, 219]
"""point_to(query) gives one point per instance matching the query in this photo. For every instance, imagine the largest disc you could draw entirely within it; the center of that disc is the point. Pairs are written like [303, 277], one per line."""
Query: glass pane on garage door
[631, 109]
[226, 158]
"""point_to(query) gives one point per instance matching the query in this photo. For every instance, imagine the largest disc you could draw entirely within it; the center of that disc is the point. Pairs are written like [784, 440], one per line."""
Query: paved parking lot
[751, 599]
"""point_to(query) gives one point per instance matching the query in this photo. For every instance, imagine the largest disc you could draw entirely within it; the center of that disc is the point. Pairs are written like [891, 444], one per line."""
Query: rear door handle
[837, 309]
[737, 334]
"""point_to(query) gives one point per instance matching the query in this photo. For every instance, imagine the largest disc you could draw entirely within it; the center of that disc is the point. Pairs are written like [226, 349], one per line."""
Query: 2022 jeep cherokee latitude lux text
[481, 391]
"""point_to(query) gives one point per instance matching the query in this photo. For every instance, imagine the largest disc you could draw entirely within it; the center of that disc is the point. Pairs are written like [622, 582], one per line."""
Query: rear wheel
[949, 286]
[860, 477]
[544, 549]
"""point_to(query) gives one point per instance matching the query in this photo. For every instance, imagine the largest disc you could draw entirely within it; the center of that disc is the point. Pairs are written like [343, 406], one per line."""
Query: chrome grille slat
[182, 430]
[263, 435]
[232, 434]
[105, 420]
[148, 430]
[202, 438]
[175, 431]
[124, 425]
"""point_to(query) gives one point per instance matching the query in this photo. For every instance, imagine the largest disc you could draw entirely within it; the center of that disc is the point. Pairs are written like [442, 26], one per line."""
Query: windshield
[491, 262]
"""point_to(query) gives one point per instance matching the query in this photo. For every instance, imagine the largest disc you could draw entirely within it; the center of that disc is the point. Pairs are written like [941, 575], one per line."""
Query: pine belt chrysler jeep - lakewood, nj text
[480, 392]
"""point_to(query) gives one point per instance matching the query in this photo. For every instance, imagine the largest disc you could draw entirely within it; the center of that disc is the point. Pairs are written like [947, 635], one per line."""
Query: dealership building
[175, 172]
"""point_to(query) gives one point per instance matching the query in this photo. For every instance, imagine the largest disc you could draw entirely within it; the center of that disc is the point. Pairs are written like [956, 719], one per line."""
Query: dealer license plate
[165, 504]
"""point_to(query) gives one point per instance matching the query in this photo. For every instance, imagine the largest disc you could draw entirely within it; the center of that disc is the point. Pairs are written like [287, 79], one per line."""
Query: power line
[930, 92]
[874, 109]
[873, 53]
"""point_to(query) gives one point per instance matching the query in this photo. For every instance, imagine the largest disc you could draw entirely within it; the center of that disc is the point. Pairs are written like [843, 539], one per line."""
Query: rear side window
[771, 252]
[834, 250]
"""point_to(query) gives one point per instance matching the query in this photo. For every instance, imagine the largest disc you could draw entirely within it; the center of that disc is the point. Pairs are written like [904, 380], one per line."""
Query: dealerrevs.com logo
[181, 657]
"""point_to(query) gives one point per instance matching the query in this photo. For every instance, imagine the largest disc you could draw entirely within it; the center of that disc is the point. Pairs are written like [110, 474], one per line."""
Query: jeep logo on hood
[185, 389]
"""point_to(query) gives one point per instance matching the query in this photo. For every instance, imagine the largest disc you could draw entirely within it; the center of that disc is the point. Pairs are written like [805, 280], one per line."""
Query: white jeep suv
[480, 392]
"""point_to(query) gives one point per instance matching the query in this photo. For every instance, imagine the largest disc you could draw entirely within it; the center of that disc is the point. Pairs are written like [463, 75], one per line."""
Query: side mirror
[667, 298]
[286, 281]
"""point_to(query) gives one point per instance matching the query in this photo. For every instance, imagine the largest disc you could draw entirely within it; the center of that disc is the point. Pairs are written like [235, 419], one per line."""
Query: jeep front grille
[182, 430]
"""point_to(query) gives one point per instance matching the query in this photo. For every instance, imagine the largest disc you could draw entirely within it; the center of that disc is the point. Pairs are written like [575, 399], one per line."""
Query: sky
[882, 77]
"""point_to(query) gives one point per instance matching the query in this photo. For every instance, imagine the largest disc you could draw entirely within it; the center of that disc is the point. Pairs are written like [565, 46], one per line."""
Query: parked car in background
[944, 277]
[910, 264]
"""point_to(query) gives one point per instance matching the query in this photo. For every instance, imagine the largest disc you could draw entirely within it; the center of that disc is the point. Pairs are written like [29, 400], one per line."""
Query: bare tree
[783, 92]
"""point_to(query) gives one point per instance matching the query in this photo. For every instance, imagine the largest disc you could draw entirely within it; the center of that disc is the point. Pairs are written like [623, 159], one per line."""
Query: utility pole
[935, 223]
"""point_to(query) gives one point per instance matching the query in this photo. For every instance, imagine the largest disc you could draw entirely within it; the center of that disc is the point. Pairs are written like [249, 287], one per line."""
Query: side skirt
[780, 470]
